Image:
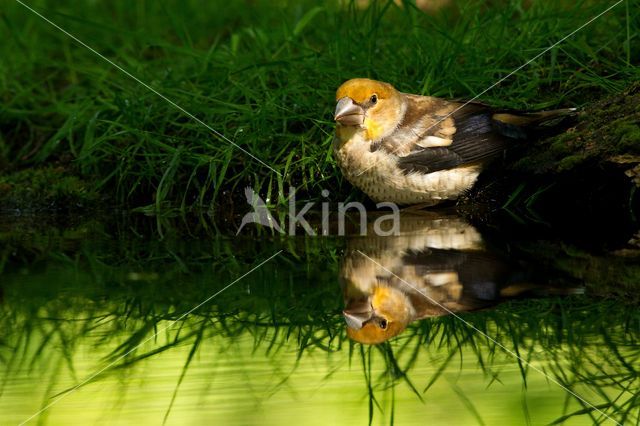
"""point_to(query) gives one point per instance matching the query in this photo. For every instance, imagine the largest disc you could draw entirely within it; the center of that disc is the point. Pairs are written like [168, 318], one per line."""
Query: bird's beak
[357, 313]
[348, 113]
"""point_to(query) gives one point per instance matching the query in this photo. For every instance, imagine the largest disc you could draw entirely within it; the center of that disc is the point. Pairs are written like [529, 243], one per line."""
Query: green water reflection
[273, 348]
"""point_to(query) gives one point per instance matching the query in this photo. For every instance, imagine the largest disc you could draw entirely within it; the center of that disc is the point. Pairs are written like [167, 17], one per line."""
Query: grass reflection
[72, 305]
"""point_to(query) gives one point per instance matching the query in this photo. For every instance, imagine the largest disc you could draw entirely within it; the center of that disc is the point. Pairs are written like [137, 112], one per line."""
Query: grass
[264, 74]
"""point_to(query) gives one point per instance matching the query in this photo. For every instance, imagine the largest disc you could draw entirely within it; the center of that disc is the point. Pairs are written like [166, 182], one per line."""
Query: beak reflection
[357, 313]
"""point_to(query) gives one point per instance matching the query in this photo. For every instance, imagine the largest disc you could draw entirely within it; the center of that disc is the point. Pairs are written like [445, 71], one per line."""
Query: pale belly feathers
[376, 173]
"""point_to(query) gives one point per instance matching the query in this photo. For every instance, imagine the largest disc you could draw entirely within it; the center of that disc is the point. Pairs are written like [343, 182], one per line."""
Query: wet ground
[125, 321]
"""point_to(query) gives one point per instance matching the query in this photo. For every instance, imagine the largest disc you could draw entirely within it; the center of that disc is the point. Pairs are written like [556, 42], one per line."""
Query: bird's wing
[439, 135]
[436, 134]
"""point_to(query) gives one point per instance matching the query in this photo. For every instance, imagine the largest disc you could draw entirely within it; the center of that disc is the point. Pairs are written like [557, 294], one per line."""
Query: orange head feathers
[373, 334]
[361, 90]
[372, 107]
[380, 316]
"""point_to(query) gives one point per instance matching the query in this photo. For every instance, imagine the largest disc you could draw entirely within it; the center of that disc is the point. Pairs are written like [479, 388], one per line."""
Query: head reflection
[435, 266]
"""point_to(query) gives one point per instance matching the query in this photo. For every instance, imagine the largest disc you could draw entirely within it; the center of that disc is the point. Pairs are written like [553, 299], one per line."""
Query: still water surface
[107, 303]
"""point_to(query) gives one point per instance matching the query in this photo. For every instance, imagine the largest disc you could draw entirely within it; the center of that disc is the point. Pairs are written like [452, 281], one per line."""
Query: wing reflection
[435, 266]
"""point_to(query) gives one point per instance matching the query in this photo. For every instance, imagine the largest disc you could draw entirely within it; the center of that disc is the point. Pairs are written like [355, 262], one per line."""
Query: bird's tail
[524, 125]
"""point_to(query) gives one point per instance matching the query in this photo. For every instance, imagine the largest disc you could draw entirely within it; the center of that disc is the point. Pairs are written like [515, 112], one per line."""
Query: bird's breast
[378, 175]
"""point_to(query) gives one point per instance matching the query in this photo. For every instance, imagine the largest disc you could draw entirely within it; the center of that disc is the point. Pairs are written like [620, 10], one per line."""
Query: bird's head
[379, 316]
[372, 107]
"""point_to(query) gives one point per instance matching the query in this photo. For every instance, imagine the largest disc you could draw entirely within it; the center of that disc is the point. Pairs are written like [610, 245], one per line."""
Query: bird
[421, 150]
[438, 265]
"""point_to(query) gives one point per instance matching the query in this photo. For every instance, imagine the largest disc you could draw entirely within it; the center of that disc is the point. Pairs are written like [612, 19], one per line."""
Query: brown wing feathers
[475, 140]
[481, 135]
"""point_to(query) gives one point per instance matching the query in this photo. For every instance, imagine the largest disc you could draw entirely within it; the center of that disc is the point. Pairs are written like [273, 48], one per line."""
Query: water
[97, 322]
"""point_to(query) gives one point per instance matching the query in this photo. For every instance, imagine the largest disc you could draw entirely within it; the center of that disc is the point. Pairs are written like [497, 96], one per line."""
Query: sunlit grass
[264, 74]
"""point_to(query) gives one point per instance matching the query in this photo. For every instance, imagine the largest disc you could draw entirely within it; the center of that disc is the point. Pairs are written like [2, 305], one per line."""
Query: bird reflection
[436, 266]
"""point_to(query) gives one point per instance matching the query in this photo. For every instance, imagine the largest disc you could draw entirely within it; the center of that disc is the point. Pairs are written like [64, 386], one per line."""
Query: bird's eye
[383, 324]
[373, 99]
